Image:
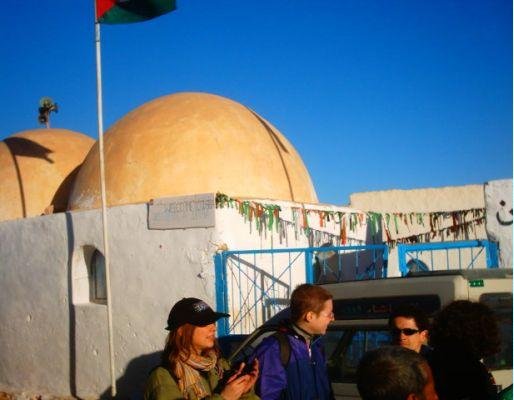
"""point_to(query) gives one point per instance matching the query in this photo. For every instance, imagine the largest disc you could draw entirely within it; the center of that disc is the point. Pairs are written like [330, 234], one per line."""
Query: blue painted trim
[385, 264]
[309, 271]
[445, 245]
[221, 293]
[492, 255]
[490, 247]
[402, 262]
[311, 249]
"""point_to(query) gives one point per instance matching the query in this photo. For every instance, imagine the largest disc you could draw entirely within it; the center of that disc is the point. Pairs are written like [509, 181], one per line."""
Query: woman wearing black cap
[191, 367]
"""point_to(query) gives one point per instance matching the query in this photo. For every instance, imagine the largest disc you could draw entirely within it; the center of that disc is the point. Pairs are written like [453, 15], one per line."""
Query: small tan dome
[36, 170]
[191, 143]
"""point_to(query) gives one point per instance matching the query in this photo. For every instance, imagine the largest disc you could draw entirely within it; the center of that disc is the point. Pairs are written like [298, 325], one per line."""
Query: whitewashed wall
[246, 303]
[52, 345]
[498, 200]
[426, 200]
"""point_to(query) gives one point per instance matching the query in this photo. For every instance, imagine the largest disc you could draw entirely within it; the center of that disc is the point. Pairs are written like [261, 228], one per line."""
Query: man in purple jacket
[305, 375]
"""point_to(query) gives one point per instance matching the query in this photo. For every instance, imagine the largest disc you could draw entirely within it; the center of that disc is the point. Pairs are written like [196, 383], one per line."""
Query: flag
[128, 11]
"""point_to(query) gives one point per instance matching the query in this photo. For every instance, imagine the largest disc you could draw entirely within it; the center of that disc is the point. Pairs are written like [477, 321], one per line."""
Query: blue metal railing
[452, 257]
[260, 281]
[253, 285]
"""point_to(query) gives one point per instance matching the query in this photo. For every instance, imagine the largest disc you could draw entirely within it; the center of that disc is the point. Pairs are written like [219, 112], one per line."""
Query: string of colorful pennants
[268, 215]
[443, 224]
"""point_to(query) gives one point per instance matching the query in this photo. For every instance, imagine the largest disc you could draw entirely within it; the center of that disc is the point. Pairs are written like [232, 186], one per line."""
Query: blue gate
[253, 285]
[467, 254]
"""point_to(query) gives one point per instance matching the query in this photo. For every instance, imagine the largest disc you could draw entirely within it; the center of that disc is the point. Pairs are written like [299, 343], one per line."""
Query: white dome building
[37, 168]
[191, 143]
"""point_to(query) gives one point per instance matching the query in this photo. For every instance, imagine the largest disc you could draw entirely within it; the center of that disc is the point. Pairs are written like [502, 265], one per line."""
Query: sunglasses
[405, 331]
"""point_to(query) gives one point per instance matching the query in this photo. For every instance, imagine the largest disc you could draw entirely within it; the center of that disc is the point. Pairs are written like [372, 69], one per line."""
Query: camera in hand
[247, 369]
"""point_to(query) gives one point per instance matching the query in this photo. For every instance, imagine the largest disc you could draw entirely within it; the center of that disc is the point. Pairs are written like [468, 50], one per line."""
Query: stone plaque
[196, 211]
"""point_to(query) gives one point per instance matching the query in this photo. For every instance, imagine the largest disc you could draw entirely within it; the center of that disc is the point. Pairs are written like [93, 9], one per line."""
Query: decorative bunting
[343, 232]
[443, 224]
[264, 214]
[459, 231]
[268, 215]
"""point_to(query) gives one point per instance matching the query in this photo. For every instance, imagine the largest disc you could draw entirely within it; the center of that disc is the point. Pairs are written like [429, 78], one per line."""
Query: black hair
[469, 325]
[410, 311]
[391, 373]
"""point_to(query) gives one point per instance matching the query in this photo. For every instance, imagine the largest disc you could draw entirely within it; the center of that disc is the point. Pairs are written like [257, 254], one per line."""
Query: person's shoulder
[426, 351]
[161, 385]
[160, 376]
[268, 342]
[270, 345]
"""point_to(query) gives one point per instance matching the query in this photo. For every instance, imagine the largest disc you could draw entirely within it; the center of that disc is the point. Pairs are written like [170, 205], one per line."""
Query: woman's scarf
[188, 370]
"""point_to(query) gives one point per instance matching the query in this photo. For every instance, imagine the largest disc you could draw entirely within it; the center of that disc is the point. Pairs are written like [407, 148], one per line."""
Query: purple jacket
[304, 378]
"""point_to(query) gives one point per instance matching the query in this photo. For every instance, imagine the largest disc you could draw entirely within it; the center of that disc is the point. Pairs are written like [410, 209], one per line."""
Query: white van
[362, 310]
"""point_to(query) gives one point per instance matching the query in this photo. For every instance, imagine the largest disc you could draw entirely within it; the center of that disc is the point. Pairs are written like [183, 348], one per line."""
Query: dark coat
[459, 375]
[304, 378]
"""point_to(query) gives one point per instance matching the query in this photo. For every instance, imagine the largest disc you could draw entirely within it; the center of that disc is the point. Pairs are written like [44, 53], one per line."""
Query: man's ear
[424, 335]
[309, 316]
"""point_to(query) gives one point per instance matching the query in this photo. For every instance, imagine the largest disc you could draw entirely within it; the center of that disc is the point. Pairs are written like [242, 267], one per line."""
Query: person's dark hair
[179, 342]
[410, 311]
[469, 325]
[307, 297]
[391, 373]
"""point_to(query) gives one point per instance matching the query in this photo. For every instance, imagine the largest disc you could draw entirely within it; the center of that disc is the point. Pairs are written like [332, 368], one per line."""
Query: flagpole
[104, 202]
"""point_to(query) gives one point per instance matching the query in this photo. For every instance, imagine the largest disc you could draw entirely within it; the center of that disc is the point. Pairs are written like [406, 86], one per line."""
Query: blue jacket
[305, 378]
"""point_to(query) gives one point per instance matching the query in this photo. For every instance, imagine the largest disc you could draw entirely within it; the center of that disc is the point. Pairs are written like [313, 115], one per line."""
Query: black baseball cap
[192, 311]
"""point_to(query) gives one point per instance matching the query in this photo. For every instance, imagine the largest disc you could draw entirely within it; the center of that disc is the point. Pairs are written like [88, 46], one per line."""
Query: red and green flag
[128, 11]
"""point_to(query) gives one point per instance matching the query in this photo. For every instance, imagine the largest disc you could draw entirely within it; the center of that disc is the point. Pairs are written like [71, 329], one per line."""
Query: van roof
[469, 274]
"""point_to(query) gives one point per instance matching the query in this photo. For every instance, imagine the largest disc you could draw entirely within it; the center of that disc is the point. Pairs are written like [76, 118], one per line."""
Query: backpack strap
[285, 347]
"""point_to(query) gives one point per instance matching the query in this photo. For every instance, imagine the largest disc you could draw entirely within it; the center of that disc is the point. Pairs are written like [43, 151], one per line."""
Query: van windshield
[345, 348]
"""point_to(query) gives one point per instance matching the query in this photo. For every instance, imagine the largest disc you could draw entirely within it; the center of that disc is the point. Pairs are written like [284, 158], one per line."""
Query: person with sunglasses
[409, 325]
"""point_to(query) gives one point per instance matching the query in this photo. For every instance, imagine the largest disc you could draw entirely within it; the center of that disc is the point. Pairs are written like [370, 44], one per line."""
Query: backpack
[284, 345]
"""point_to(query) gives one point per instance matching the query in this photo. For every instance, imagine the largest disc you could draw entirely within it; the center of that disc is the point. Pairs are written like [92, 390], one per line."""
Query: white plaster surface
[54, 341]
[449, 198]
[498, 200]
[50, 345]
[426, 200]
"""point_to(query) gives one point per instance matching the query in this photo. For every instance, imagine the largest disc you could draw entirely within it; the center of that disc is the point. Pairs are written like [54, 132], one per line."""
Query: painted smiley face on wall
[504, 214]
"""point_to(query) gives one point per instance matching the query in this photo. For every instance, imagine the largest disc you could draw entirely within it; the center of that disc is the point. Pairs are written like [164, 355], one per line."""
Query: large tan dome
[36, 170]
[191, 143]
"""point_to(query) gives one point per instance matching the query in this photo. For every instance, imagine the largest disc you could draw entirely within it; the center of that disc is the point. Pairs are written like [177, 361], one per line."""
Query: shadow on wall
[71, 308]
[60, 199]
[131, 385]
[27, 148]
[280, 148]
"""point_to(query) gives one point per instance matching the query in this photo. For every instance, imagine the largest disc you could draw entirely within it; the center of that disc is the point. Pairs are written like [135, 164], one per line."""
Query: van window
[381, 307]
[501, 304]
[346, 347]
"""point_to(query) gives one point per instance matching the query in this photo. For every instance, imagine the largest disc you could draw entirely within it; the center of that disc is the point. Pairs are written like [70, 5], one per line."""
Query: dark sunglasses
[405, 331]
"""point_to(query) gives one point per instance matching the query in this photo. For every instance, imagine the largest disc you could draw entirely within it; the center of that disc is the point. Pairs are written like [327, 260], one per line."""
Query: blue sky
[374, 95]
